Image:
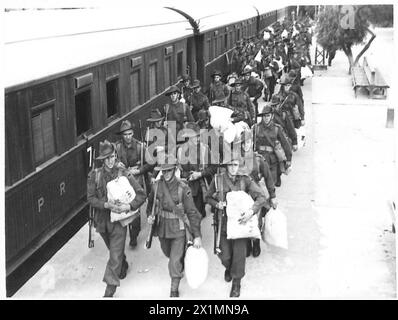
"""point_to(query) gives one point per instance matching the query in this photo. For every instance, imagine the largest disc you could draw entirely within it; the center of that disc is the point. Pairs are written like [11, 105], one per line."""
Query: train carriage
[70, 84]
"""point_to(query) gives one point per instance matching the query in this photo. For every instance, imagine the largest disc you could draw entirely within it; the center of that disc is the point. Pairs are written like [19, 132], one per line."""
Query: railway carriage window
[43, 134]
[209, 51]
[215, 47]
[153, 79]
[231, 40]
[167, 72]
[112, 97]
[226, 41]
[179, 64]
[238, 36]
[83, 112]
[135, 80]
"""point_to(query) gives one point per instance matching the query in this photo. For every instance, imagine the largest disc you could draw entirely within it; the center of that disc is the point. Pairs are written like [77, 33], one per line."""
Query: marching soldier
[283, 116]
[186, 90]
[114, 234]
[176, 110]
[268, 140]
[244, 110]
[199, 100]
[178, 220]
[131, 153]
[218, 89]
[194, 160]
[233, 252]
[254, 87]
[254, 166]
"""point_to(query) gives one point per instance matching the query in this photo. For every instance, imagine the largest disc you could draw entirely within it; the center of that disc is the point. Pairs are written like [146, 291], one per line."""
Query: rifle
[148, 242]
[142, 157]
[91, 213]
[218, 212]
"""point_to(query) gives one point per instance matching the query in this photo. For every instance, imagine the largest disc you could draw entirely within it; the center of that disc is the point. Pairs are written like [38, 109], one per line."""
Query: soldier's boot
[278, 181]
[133, 237]
[175, 282]
[248, 248]
[109, 291]
[256, 248]
[235, 289]
[227, 275]
[123, 271]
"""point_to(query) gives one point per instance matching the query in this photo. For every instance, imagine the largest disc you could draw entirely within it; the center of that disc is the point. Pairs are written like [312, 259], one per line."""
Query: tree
[339, 28]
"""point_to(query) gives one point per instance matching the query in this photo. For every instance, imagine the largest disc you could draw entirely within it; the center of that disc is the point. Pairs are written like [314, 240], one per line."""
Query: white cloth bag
[120, 191]
[239, 202]
[275, 229]
[306, 72]
[196, 263]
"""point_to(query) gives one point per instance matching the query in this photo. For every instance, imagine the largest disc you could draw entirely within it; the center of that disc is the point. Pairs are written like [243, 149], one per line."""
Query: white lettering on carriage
[40, 203]
[61, 188]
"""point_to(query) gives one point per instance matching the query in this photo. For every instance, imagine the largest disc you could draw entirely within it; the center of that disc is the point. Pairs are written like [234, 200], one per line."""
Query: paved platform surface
[336, 202]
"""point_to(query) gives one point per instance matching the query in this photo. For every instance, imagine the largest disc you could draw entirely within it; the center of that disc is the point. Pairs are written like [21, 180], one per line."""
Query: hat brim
[154, 120]
[170, 92]
[190, 135]
[121, 132]
[166, 167]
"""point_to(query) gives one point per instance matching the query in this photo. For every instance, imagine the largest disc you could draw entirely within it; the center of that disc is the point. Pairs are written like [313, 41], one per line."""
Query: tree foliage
[334, 34]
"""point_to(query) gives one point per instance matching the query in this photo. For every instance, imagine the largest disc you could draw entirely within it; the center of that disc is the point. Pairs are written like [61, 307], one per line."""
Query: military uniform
[176, 210]
[199, 101]
[265, 146]
[218, 91]
[197, 162]
[244, 109]
[233, 252]
[254, 88]
[178, 112]
[114, 234]
[130, 156]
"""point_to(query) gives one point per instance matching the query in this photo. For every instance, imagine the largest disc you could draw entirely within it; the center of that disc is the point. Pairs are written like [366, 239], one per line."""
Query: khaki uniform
[171, 228]
[199, 162]
[199, 101]
[266, 149]
[179, 112]
[218, 91]
[114, 234]
[233, 252]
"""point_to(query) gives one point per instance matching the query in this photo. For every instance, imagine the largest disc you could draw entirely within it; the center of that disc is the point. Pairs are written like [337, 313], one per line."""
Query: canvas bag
[196, 264]
[119, 190]
[275, 229]
[239, 202]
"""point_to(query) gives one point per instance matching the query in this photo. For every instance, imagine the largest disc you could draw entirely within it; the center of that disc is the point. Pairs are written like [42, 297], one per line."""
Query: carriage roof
[40, 43]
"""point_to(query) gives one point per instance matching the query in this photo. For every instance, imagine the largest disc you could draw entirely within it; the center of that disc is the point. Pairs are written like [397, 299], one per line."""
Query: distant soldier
[130, 153]
[176, 110]
[283, 117]
[114, 234]
[267, 134]
[199, 100]
[244, 110]
[218, 90]
[204, 119]
[194, 160]
[186, 90]
[233, 252]
[254, 87]
[178, 220]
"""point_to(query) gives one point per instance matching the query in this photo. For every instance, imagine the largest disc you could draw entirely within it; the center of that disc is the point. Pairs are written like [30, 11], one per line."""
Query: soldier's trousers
[135, 227]
[199, 203]
[114, 238]
[174, 249]
[233, 255]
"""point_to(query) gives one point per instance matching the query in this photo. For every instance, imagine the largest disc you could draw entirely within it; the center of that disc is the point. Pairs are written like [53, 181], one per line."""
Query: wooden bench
[369, 78]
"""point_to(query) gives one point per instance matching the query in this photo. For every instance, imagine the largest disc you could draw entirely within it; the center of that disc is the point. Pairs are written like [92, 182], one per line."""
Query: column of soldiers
[178, 183]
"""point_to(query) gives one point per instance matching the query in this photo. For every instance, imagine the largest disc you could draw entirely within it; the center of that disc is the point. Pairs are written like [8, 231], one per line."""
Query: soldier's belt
[266, 148]
[171, 215]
